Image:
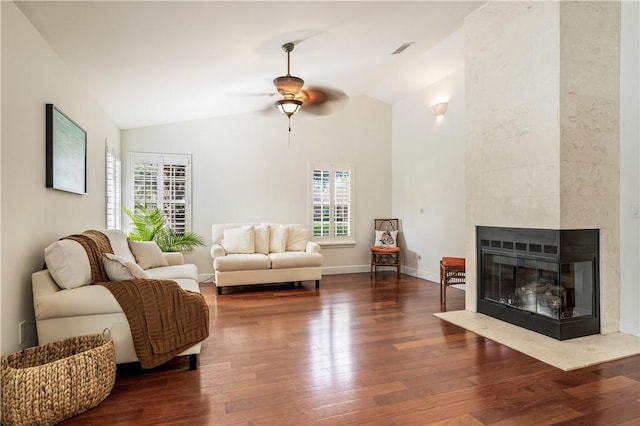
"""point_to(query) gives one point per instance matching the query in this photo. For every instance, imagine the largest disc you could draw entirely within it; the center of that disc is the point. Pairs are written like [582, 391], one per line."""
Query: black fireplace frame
[549, 245]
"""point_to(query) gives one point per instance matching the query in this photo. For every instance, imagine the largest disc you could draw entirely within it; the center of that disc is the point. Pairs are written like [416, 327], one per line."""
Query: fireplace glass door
[538, 286]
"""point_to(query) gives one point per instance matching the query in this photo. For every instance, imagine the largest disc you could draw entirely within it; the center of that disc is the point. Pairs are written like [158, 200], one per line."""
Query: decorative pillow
[278, 239]
[261, 238]
[147, 253]
[386, 239]
[239, 240]
[68, 264]
[119, 243]
[297, 238]
[120, 269]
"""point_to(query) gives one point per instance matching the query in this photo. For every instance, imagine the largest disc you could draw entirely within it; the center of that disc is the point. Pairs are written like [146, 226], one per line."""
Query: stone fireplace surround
[542, 148]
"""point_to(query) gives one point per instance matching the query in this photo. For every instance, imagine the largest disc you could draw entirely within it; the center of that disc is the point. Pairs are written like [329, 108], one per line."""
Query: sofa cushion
[295, 259]
[120, 269]
[68, 263]
[173, 272]
[239, 240]
[86, 300]
[148, 254]
[242, 262]
[278, 239]
[297, 238]
[261, 238]
[119, 243]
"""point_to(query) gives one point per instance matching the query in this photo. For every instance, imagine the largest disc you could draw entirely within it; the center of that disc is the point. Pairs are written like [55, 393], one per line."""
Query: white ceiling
[151, 63]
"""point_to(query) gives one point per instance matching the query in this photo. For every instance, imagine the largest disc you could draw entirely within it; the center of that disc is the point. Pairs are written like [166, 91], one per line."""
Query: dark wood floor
[360, 353]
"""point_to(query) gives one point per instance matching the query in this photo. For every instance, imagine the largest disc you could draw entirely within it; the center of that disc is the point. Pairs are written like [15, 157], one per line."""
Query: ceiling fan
[314, 100]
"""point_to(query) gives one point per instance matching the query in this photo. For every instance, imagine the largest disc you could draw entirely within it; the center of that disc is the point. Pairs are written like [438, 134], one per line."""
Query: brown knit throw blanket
[164, 319]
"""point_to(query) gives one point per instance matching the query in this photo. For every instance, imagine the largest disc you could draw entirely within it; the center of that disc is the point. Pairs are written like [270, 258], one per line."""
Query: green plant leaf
[150, 224]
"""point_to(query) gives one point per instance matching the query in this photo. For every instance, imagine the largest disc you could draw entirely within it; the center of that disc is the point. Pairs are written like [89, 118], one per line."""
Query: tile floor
[566, 355]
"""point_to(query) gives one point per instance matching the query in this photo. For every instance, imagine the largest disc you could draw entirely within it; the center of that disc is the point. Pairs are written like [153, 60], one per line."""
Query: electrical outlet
[22, 332]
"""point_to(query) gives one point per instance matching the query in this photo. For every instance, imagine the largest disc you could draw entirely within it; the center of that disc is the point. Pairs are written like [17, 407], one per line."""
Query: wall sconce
[439, 109]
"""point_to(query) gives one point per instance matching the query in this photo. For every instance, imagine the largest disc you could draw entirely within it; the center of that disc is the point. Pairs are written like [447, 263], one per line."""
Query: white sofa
[261, 253]
[66, 305]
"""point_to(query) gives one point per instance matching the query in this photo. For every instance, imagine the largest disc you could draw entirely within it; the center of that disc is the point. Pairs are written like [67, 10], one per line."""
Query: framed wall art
[66, 152]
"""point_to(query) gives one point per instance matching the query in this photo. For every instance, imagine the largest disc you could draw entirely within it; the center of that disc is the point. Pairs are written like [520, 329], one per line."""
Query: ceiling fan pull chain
[289, 141]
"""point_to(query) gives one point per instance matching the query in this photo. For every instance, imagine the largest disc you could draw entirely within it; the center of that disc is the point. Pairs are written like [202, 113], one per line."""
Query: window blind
[331, 202]
[163, 181]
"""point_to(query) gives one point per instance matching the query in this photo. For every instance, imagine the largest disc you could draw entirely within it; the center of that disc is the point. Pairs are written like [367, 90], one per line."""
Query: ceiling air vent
[402, 47]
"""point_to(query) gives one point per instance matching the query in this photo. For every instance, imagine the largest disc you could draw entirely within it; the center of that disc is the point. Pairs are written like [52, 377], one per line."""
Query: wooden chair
[385, 251]
[452, 271]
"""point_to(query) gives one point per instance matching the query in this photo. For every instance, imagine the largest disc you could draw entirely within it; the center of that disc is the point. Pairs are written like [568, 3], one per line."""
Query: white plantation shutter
[163, 181]
[175, 196]
[113, 181]
[331, 202]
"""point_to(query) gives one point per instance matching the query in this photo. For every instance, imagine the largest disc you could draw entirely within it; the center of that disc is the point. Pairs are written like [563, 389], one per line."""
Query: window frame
[113, 188]
[164, 159]
[331, 239]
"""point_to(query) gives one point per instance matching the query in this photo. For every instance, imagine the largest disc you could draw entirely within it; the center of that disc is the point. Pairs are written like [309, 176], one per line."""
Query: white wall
[428, 191]
[32, 215]
[245, 170]
[629, 168]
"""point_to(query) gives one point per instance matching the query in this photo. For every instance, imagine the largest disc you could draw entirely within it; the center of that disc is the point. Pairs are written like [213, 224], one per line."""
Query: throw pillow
[68, 264]
[386, 239]
[262, 233]
[239, 240]
[120, 269]
[119, 244]
[278, 239]
[147, 253]
[297, 238]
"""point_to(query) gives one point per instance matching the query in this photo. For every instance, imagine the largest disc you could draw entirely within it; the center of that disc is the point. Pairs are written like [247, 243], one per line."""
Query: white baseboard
[205, 278]
[425, 275]
[353, 269]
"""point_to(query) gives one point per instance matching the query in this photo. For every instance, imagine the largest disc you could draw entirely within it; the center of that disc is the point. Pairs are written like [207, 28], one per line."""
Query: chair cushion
[385, 250]
[453, 262]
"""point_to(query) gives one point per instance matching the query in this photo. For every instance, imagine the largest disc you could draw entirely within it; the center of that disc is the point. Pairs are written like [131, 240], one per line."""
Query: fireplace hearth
[540, 279]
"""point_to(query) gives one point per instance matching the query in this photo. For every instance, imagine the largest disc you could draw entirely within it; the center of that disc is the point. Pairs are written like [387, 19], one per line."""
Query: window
[331, 203]
[163, 181]
[113, 189]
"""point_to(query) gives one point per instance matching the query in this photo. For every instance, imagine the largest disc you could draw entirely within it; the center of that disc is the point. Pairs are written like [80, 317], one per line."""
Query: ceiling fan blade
[322, 100]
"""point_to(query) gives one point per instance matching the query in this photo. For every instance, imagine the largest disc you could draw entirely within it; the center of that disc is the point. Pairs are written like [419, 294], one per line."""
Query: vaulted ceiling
[150, 62]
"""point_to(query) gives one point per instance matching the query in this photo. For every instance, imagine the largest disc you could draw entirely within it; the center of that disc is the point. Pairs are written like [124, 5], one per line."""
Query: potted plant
[150, 224]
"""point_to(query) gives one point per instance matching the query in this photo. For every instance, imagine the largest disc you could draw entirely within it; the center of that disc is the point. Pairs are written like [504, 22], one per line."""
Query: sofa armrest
[42, 284]
[217, 251]
[174, 258]
[313, 247]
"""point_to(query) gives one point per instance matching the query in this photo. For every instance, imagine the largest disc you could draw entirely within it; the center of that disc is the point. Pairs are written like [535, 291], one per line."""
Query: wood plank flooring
[360, 352]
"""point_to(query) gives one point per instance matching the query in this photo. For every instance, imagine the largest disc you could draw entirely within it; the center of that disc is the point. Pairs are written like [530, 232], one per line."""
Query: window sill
[336, 244]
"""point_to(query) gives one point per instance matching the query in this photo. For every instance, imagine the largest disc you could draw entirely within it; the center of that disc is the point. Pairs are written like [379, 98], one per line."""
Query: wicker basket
[46, 384]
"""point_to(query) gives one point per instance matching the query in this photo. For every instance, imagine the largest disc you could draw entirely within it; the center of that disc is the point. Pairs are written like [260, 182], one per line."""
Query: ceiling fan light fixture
[288, 106]
[288, 84]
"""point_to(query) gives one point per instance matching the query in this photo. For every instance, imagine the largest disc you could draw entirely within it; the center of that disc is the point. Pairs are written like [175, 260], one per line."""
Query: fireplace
[540, 279]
